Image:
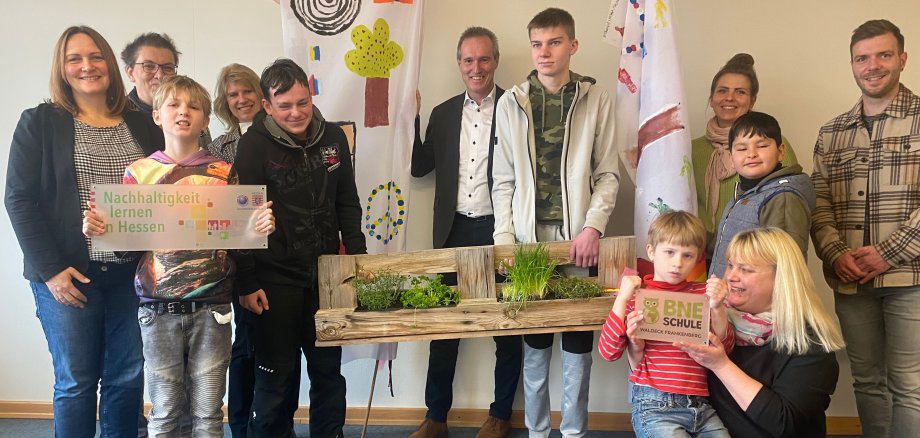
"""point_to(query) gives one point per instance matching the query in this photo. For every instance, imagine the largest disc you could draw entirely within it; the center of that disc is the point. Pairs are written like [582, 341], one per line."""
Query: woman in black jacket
[83, 135]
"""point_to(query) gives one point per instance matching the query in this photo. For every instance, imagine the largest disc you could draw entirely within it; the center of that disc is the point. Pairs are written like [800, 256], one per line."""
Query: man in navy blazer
[458, 144]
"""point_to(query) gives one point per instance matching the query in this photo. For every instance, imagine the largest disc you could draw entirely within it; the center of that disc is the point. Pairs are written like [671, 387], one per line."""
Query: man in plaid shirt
[866, 229]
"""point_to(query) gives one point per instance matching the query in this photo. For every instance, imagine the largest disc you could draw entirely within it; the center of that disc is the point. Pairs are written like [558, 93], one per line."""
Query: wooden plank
[432, 261]
[335, 273]
[614, 255]
[557, 250]
[475, 272]
[472, 318]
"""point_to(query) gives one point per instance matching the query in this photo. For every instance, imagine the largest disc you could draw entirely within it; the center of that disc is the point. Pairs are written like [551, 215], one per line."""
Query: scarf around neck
[750, 329]
[720, 164]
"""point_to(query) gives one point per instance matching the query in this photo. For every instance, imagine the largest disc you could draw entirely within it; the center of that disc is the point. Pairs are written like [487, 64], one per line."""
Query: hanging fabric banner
[651, 113]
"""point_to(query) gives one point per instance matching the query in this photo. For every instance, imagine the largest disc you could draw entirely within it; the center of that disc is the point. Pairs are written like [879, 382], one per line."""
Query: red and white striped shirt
[663, 366]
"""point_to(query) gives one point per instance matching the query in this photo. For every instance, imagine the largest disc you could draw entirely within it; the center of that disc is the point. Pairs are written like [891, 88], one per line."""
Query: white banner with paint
[362, 58]
[651, 110]
[176, 217]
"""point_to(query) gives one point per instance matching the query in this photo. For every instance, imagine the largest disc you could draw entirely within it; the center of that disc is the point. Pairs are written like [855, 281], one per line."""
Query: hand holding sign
[93, 225]
[265, 223]
[716, 291]
[636, 345]
[711, 356]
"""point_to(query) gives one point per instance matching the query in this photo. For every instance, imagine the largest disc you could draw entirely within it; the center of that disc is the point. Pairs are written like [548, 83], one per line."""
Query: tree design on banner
[373, 58]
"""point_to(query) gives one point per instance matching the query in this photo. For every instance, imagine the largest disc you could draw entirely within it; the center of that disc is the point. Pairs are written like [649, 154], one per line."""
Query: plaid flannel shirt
[853, 169]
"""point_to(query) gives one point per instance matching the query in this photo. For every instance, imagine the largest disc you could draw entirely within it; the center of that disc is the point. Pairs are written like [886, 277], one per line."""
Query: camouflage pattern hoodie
[588, 167]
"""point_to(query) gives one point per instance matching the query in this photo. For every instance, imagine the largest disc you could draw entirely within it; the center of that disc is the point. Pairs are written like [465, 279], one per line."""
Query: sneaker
[430, 429]
[494, 428]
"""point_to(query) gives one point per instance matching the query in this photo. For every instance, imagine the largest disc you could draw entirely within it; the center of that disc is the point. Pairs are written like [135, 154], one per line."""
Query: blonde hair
[233, 73]
[799, 317]
[178, 84]
[677, 227]
[62, 93]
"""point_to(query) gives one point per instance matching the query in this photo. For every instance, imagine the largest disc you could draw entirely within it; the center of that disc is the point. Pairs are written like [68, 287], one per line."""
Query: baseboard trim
[380, 416]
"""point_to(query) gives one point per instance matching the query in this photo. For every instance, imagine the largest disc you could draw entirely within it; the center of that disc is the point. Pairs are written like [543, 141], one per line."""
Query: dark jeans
[442, 359]
[279, 335]
[243, 375]
[442, 363]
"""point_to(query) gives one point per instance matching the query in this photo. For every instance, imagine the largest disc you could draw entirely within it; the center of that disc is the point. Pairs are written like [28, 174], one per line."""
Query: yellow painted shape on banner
[374, 54]
[660, 9]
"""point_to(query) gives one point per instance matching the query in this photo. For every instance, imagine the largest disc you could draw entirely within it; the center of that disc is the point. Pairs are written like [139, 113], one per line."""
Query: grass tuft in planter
[575, 288]
[379, 292]
[528, 276]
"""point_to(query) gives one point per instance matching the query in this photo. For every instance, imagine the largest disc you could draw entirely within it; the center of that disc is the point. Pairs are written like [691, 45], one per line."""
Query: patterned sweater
[190, 275]
[663, 366]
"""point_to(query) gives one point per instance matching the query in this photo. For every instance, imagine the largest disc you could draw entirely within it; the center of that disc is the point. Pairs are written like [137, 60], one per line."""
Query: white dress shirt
[473, 196]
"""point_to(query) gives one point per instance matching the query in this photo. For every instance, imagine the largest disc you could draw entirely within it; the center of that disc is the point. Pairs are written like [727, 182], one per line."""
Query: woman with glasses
[149, 60]
[84, 134]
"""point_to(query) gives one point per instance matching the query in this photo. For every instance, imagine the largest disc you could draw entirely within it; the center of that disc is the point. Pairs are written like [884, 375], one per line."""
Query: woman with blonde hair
[84, 135]
[778, 379]
[237, 100]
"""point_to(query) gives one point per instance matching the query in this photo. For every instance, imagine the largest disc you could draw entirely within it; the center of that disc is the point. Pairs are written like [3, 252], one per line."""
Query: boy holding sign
[661, 372]
[185, 295]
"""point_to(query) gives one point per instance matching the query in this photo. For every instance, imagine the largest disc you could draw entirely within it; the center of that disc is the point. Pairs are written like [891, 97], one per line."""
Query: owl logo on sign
[651, 310]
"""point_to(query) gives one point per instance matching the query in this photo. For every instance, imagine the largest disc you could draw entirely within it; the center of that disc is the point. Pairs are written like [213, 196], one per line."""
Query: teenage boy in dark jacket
[304, 162]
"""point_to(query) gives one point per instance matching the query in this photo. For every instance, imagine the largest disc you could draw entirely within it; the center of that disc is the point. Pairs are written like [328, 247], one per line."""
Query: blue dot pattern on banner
[385, 228]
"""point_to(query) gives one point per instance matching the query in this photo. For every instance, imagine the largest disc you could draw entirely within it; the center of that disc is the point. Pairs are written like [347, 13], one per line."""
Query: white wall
[800, 49]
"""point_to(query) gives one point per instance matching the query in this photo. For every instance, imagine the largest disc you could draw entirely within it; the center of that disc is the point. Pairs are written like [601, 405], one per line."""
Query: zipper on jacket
[565, 157]
[533, 172]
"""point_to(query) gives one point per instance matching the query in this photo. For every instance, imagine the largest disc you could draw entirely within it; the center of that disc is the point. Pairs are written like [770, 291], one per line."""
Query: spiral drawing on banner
[326, 17]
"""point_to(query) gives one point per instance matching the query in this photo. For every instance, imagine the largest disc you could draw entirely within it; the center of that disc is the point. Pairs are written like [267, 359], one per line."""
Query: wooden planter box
[480, 313]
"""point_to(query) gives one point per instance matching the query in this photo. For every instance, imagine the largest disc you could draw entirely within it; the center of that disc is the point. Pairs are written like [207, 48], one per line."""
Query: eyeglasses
[152, 67]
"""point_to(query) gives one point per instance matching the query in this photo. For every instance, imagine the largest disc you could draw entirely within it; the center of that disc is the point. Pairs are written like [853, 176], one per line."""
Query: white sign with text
[177, 217]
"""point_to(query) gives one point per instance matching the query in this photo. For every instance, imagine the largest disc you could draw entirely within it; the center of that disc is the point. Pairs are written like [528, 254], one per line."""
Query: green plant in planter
[429, 292]
[575, 288]
[379, 292]
[528, 276]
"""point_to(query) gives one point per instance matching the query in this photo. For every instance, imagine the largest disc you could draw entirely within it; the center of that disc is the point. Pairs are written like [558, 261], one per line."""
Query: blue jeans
[880, 327]
[186, 357]
[663, 414]
[96, 348]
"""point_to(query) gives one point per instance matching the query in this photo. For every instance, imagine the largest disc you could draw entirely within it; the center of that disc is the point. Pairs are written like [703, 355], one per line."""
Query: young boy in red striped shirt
[668, 389]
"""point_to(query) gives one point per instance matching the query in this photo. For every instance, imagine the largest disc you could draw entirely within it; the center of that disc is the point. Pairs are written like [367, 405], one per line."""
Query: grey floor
[16, 428]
